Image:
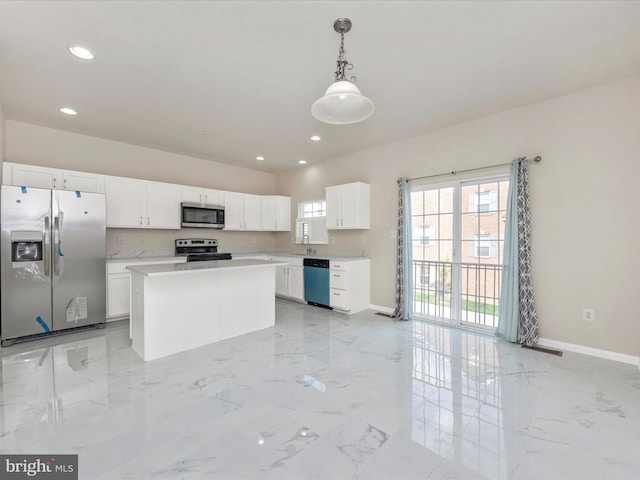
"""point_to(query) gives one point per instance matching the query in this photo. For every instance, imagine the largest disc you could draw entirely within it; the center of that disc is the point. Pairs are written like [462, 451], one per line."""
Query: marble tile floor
[322, 395]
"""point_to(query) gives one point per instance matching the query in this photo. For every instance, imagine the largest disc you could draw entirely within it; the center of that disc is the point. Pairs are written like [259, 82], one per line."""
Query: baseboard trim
[569, 347]
[594, 352]
[381, 309]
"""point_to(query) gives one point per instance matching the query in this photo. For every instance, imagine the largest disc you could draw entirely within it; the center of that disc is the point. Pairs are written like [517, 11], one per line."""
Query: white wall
[584, 213]
[47, 147]
[36, 145]
[2, 138]
[584, 221]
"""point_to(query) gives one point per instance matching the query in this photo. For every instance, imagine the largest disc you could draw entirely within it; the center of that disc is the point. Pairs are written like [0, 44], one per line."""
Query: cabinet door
[355, 205]
[125, 198]
[252, 207]
[334, 206]
[38, 177]
[163, 205]
[82, 182]
[339, 299]
[192, 194]
[282, 280]
[233, 211]
[118, 292]
[269, 222]
[350, 206]
[296, 282]
[213, 197]
[338, 279]
[283, 214]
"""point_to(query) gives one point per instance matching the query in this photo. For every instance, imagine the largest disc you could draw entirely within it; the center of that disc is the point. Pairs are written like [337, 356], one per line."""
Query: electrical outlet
[588, 315]
[120, 240]
[393, 234]
[363, 240]
[332, 240]
[253, 239]
[141, 239]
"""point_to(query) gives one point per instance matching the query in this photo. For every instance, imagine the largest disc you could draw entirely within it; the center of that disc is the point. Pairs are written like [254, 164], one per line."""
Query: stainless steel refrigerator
[52, 261]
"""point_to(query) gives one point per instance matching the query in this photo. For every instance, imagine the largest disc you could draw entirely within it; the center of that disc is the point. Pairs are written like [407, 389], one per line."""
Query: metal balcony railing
[468, 293]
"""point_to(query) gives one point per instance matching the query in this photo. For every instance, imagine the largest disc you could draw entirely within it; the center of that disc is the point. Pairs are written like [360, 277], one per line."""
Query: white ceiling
[230, 80]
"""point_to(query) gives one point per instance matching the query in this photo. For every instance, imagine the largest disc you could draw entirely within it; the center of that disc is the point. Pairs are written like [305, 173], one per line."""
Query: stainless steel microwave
[199, 215]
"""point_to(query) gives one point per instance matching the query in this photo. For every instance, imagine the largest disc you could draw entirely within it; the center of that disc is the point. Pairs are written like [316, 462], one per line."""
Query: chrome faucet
[309, 249]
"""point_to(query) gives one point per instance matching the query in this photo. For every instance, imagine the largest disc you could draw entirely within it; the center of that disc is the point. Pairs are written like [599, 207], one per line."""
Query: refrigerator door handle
[46, 250]
[56, 246]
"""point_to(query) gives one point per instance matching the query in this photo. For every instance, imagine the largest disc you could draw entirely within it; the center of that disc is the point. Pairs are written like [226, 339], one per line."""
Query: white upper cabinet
[242, 211]
[44, 177]
[163, 205]
[125, 199]
[202, 195]
[31, 176]
[276, 213]
[135, 203]
[348, 206]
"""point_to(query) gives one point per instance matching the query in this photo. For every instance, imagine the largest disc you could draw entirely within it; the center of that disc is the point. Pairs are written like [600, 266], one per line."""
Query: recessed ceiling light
[302, 162]
[81, 52]
[260, 158]
[316, 138]
[68, 111]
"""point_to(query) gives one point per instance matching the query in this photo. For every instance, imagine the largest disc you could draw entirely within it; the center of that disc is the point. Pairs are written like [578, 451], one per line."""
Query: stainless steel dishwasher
[316, 281]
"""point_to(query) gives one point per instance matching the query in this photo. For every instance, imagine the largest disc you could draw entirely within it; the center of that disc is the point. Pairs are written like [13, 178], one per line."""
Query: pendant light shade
[342, 103]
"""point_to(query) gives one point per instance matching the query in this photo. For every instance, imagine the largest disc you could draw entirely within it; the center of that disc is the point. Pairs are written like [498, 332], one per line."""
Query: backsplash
[125, 242]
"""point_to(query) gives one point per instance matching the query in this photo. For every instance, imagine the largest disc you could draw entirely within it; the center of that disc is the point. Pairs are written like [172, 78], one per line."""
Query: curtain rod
[536, 159]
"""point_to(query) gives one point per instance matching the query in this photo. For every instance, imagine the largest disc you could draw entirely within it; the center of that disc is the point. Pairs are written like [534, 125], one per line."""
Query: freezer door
[78, 259]
[25, 274]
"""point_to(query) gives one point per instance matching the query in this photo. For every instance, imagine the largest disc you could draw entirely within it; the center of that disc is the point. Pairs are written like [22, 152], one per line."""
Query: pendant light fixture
[342, 103]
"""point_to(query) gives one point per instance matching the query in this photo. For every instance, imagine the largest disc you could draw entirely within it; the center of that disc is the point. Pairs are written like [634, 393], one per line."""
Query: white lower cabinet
[290, 278]
[119, 288]
[349, 282]
[296, 282]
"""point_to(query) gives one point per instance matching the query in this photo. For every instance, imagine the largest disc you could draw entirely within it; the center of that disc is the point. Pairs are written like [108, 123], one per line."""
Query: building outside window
[483, 246]
[483, 202]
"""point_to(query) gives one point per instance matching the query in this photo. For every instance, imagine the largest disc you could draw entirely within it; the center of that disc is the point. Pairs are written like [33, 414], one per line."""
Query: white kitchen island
[177, 307]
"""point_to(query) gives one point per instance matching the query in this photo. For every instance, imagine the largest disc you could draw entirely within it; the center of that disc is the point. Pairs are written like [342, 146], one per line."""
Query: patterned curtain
[518, 320]
[404, 304]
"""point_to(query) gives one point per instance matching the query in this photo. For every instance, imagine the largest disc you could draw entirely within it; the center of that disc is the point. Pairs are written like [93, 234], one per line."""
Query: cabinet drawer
[113, 268]
[338, 279]
[337, 265]
[339, 299]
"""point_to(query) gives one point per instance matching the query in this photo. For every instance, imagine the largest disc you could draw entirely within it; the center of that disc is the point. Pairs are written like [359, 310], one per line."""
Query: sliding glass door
[457, 238]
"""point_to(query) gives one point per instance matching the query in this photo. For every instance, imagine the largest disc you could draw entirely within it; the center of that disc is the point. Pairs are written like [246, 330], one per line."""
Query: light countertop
[149, 258]
[339, 257]
[184, 268]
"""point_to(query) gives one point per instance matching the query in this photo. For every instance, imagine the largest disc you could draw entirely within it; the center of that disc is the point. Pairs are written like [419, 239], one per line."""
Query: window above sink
[311, 224]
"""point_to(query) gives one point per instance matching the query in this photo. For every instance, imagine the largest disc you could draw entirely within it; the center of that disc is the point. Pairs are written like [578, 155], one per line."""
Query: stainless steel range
[199, 249]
